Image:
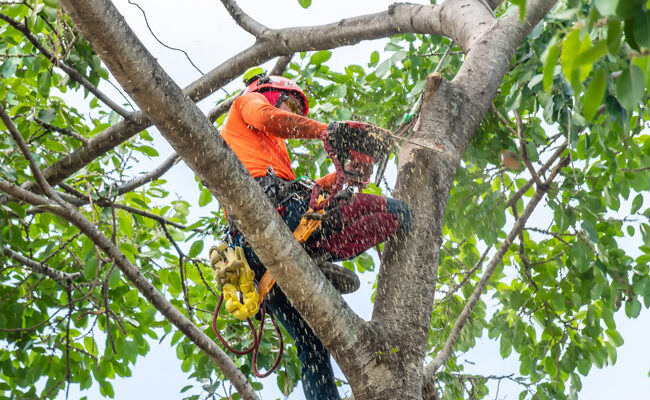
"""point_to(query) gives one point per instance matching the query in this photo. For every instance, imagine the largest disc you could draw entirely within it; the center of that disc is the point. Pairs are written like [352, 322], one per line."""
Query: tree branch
[446, 352]
[281, 65]
[72, 73]
[524, 153]
[36, 171]
[400, 18]
[140, 282]
[244, 20]
[542, 171]
[188, 131]
[64, 131]
[151, 176]
[39, 267]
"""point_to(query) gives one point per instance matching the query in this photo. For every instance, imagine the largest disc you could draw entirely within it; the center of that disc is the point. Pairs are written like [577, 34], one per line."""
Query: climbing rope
[235, 277]
[257, 339]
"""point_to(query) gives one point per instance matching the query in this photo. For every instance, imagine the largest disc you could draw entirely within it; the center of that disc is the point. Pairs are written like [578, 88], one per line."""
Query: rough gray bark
[451, 114]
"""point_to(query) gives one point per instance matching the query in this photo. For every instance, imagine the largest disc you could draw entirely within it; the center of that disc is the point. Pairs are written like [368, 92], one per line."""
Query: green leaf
[505, 347]
[632, 308]
[592, 54]
[8, 67]
[46, 115]
[644, 64]
[616, 337]
[205, 197]
[383, 68]
[374, 58]
[642, 28]
[636, 203]
[320, 56]
[594, 95]
[148, 150]
[606, 7]
[549, 66]
[90, 264]
[44, 83]
[55, 146]
[630, 87]
[580, 255]
[614, 36]
[304, 3]
[195, 249]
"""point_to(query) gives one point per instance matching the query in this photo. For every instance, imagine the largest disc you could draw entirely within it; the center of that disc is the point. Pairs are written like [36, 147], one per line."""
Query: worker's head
[279, 91]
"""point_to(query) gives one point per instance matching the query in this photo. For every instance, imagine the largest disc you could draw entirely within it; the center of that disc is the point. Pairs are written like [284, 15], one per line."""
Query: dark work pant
[352, 229]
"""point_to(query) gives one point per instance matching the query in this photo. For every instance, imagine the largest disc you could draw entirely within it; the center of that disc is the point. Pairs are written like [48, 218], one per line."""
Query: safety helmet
[260, 83]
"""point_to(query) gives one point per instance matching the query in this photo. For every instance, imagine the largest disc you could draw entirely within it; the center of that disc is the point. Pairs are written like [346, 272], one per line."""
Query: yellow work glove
[225, 265]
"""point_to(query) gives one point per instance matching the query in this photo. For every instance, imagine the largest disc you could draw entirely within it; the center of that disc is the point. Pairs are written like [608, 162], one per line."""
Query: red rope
[257, 339]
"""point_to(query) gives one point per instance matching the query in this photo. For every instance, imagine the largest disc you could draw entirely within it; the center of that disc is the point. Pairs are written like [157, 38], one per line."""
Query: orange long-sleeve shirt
[255, 130]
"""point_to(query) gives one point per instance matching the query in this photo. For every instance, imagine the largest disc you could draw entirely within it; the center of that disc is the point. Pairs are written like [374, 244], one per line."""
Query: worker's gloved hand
[358, 173]
[225, 265]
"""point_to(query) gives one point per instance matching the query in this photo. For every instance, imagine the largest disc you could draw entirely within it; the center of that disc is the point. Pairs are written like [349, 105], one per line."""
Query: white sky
[205, 31]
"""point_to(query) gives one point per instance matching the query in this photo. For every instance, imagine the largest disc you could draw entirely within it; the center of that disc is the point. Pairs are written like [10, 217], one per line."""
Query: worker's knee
[401, 211]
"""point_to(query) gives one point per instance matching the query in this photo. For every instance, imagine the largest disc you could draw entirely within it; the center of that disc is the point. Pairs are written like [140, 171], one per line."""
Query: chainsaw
[346, 141]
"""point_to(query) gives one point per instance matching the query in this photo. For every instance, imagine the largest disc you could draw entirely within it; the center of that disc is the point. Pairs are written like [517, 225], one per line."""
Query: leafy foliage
[581, 77]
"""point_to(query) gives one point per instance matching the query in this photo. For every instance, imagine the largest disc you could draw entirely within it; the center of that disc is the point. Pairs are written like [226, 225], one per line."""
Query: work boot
[344, 280]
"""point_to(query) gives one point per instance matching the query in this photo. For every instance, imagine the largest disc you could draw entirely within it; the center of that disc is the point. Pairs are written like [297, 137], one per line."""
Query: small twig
[554, 234]
[522, 253]
[198, 268]
[542, 171]
[181, 256]
[149, 177]
[38, 175]
[467, 276]
[107, 307]
[634, 170]
[524, 153]
[61, 247]
[62, 131]
[67, 344]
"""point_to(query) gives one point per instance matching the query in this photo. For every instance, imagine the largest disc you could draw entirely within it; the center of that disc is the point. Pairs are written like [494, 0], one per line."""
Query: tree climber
[272, 109]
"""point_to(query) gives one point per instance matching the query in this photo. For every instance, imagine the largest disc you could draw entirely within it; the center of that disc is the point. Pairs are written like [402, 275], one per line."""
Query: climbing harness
[242, 301]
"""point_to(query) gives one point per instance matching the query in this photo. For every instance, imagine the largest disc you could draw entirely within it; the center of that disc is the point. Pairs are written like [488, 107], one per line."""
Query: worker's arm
[258, 113]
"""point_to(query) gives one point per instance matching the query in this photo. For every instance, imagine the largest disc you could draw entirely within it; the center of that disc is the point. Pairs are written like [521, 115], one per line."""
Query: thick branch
[39, 267]
[72, 73]
[400, 18]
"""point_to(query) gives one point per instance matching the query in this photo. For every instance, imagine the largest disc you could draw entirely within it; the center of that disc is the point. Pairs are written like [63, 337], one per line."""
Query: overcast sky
[205, 31]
